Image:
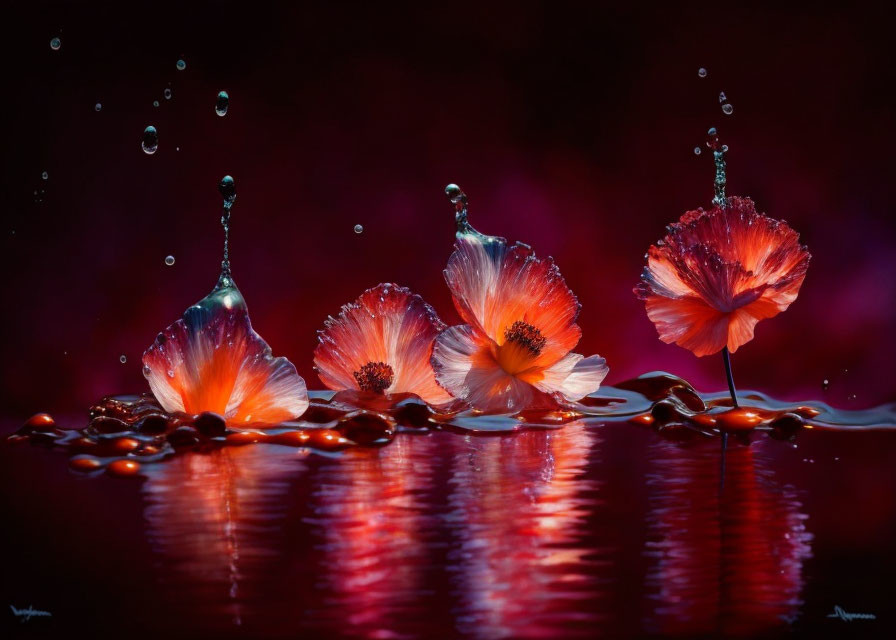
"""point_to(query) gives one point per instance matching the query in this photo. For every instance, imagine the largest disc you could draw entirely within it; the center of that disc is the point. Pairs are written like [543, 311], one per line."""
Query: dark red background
[571, 128]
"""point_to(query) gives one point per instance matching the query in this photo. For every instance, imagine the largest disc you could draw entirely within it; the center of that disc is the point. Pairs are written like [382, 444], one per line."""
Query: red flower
[381, 343]
[719, 272]
[521, 326]
[212, 360]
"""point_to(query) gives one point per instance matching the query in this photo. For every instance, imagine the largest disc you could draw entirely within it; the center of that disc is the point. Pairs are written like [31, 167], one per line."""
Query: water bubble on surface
[155, 103]
[45, 175]
[169, 260]
[697, 151]
[727, 109]
[55, 44]
[167, 94]
[123, 359]
[701, 72]
[150, 139]
[98, 106]
[222, 103]
[181, 65]
[359, 228]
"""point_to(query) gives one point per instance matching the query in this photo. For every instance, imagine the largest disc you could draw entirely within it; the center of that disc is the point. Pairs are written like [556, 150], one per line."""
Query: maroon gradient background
[571, 129]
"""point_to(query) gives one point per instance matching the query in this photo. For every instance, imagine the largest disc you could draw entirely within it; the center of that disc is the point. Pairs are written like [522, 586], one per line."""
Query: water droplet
[725, 148]
[169, 260]
[150, 139]
[722, 97]
[227, 189]
[181, 65]
[359, 229]
[825, 384]
[701, 72]
[727, 109]
[167, 94]
[155, 103]
[45, 175]
[696, 151]
[55, 43]
[222, 103]
[98, 106]
[123, 359]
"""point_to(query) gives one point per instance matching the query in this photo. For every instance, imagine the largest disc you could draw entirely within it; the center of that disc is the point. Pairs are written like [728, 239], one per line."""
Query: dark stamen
[374, 376]
[525, 335]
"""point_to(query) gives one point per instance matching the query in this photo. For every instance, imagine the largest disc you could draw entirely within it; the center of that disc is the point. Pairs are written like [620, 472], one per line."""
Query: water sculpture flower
[381, 344]
[515, 350]
[212, 360]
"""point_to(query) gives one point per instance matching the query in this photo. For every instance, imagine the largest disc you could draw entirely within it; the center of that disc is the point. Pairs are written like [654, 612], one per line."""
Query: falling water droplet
[701, 72]
[722, 97]
[167, 94]
[150, 139]
[825, 385]
[55, 44]
[45, 175]
[359, 229]
[181, 65]
[727, 109]
[696, 151]
[98, 107]
[169, 260]
[123, 359]
[227, 189]
[155, 103]
[222, 103]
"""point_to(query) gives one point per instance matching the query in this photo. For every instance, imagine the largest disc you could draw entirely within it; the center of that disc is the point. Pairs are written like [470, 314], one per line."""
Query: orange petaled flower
[381, 344]
[514, 350]
[212, 360]
[719, 272]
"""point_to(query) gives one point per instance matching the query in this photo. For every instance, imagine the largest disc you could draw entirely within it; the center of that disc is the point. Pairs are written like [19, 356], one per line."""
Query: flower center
[526, 336]
[374, 376]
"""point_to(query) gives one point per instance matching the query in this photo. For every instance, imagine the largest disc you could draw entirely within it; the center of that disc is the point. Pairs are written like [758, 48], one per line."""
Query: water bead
[181, 65]
[169, 260]
[98, 107]
[123, 358]
[155, 103]
[45, 175]
[222, 103]
[722, 97]
[701, 72]
[359, 229]
[55, 44]
[696, 151]
[150, 140]
[727, 109]
[227, 189]
[167, 94]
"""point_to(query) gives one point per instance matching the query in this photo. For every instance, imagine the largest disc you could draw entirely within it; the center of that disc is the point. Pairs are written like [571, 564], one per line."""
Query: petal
[574, 377]
[494, 286]
[387, 324]
[690, 323]
[212, 360]
[464, 362]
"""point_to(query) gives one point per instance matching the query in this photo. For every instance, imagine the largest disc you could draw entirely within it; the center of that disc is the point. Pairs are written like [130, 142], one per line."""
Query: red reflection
[729, 564]
[518, 509]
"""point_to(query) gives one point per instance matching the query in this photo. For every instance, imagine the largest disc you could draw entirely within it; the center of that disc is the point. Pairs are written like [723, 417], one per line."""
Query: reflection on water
[723, 563]
[444, 535]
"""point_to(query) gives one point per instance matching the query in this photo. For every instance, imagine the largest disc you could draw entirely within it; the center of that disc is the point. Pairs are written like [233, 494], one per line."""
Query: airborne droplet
[169, 260]
[696, 151]
[701, 72]
[155, 103]
[150, 139]
[722, 97]
[45, 175]
[98, 107]
[167, 94]
[181, 65]
[359, 229]
[727, 109]
[222, 103]
[123, 359]
[55, 43]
